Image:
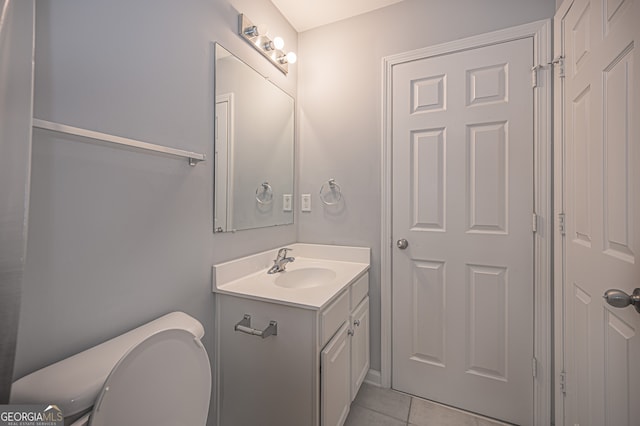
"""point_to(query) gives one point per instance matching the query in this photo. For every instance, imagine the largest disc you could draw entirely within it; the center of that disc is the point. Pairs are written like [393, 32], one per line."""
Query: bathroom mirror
[254, 148]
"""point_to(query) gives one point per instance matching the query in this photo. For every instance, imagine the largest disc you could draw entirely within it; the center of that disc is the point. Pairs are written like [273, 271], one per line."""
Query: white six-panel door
[462, 291]
[601, 240]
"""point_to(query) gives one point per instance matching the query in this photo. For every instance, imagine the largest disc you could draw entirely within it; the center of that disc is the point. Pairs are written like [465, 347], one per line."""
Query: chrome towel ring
[330, 193]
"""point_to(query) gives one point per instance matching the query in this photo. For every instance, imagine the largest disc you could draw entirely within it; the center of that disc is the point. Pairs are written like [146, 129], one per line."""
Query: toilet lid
[163, 381]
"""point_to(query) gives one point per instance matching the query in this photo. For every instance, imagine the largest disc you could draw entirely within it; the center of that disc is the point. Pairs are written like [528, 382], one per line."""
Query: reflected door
[223, 165]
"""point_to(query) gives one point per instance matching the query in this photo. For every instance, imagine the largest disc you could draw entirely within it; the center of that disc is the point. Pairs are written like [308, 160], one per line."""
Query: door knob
[402, 244]
[620, 299]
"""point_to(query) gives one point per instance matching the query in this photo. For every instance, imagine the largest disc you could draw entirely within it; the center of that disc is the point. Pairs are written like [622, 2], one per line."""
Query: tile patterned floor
[375, 406]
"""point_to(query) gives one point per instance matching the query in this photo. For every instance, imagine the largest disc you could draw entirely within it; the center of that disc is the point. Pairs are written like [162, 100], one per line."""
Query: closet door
[463, 191]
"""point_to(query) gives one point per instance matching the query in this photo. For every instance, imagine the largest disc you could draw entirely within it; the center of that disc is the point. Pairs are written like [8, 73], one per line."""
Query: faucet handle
[283, 251]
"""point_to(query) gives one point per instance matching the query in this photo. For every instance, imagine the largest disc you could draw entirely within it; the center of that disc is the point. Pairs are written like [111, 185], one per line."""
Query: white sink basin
[319, 273]
[305, 277]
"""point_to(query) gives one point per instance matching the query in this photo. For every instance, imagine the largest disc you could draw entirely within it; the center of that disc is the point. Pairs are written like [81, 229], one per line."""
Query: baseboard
[373, 378]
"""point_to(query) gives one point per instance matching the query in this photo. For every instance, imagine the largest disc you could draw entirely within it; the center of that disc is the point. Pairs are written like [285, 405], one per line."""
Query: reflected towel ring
[266, 192]
[333, 188]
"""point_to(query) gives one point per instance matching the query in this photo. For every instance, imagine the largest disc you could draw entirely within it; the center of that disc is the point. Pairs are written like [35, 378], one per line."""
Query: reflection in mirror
[254, 148]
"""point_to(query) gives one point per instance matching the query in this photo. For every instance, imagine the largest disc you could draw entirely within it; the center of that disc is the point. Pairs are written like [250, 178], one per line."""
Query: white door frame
[558, 206]
[541, 33]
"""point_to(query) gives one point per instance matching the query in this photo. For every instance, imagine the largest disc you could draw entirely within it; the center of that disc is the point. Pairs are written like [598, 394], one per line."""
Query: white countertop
[247, 277]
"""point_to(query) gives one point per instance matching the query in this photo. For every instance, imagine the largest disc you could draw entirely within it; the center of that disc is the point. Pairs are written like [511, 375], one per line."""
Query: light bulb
[292, 57]
[278, 42]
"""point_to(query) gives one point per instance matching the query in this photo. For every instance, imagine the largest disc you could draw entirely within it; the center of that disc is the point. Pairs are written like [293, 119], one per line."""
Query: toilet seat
[163, 381]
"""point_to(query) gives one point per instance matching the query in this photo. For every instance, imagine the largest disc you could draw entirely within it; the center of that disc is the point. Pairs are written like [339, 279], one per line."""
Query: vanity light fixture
[271, 49]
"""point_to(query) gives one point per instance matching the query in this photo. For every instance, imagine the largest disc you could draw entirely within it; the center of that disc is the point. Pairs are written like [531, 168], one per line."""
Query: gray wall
[16, 103]
[340, 101]
[120, 237]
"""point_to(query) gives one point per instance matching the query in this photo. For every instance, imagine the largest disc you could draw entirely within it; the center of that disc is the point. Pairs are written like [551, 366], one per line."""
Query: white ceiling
[307, 14]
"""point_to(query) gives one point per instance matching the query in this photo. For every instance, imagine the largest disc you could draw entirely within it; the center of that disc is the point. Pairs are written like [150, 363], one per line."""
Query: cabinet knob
[356, 323]
[350, 332]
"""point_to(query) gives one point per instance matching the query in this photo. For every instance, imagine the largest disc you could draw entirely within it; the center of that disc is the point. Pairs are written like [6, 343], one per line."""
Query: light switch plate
[306, 202]
[286, 202]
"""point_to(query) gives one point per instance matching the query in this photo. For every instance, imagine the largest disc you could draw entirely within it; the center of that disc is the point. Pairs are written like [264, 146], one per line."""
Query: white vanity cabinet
[344, 361]
[305, 375]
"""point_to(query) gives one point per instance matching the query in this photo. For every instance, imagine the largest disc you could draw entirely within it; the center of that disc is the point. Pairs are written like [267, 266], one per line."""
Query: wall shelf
[193, 157]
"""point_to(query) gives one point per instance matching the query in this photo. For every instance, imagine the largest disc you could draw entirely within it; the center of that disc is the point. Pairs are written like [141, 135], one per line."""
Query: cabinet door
[335, 379]
[359, 346]
[265, 382]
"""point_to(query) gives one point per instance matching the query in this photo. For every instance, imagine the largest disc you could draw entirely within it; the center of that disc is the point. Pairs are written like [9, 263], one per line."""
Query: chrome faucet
[281, 261]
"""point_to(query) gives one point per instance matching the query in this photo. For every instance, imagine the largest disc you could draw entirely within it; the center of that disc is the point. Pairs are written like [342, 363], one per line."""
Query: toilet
[157, 374]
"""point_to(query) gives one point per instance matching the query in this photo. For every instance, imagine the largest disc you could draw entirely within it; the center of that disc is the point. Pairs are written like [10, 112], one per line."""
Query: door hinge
[534, 367]
[534, 76]
[563, 382]
[561, 223]
[534, 223]
[559, 61]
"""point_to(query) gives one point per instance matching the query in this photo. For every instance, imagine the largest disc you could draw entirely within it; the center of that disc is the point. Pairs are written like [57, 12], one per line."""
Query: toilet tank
[74, 383]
